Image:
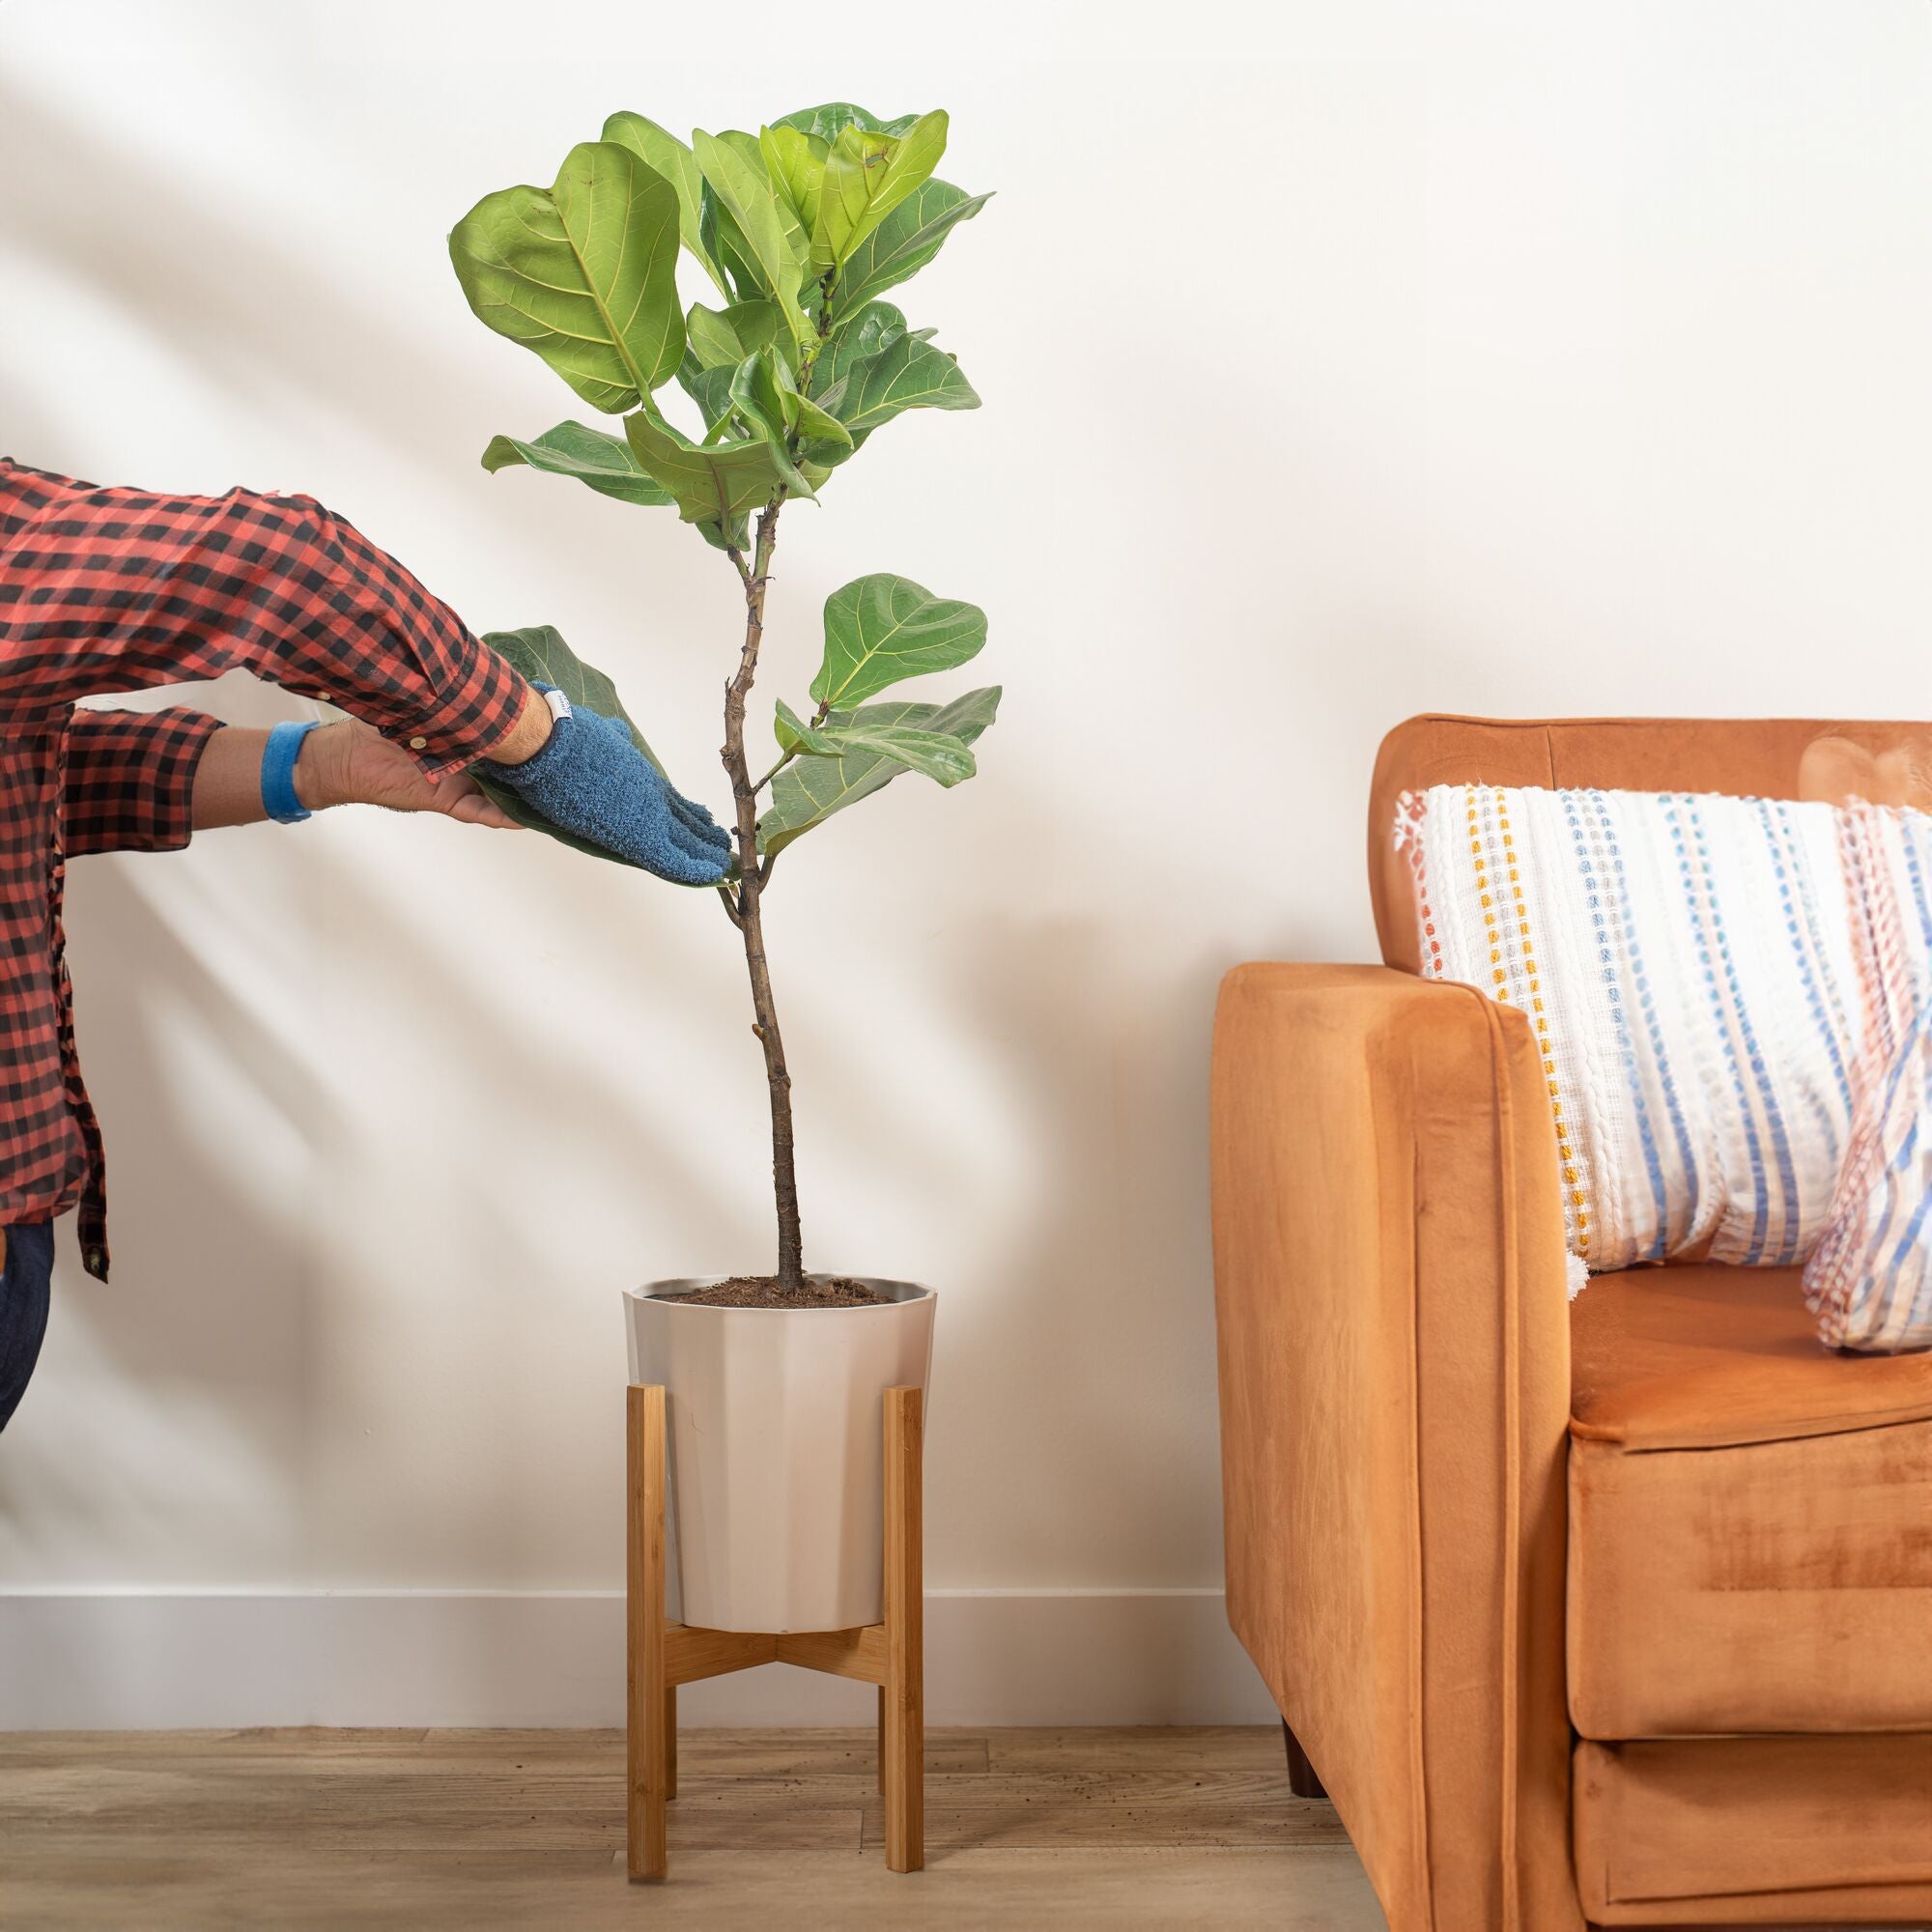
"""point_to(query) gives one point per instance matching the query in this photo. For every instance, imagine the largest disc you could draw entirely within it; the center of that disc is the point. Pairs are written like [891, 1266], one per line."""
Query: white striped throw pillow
[1692, 969]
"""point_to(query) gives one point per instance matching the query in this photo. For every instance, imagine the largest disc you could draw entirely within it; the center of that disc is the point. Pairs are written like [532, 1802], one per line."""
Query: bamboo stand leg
[648, 1700]
[904, 1753]
[661, 1655]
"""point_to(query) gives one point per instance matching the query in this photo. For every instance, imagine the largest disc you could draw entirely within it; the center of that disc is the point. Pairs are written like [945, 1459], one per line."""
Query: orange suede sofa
[1616, 1612]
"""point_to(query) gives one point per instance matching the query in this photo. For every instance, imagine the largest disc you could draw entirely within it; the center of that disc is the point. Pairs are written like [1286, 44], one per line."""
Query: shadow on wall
[203, 1296]
[259, 337]
[232, 1148]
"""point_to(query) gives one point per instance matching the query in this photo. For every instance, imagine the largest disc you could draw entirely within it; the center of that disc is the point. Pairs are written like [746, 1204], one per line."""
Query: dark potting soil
[763, 1290]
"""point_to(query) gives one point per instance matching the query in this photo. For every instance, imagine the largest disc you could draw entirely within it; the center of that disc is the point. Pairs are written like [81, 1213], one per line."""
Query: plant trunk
[747, 915]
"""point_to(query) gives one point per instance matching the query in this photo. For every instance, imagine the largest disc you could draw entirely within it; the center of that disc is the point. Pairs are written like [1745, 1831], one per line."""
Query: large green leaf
[859, 338]
[543, 657]
[866, 177]
[778, 247]
[716, 342]
[583, 273]
[936, 755]
[811, 789]
[716, 337]
[902, 243]
[882, 629]
[662, 150]
[794, 734]
[901, 371]
[592, 455]
[711, 391]
[825, 123]
[712, 484]
[729, 248]
[769, 407]
[796, 163]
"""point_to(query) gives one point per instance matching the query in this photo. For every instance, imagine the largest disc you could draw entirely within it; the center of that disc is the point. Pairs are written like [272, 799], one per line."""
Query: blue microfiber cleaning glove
[591, 780]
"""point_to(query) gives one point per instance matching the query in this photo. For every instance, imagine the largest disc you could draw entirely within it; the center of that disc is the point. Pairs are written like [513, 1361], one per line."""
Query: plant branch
[775, 770]
[749, 914]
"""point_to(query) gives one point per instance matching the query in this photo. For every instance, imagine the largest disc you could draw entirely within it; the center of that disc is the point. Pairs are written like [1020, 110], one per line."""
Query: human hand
[591, 779]
[351, 763]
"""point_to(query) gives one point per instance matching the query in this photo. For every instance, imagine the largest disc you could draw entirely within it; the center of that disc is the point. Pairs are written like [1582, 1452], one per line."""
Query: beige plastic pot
[776, 1415]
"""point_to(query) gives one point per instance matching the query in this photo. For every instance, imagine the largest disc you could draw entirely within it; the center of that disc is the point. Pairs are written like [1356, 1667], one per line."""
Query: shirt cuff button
[418, 743]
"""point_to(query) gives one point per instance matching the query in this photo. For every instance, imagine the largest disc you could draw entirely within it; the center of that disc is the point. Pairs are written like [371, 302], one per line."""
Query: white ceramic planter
[775, 1433]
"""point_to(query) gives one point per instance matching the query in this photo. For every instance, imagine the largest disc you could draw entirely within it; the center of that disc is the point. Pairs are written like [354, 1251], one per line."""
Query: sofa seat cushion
[1703, 1356]
[1755, 1830]
[1750, 1518]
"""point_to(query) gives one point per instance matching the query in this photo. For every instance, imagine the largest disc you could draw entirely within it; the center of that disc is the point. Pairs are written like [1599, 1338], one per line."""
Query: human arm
[345, 764]
[114, 591]
[142, 781]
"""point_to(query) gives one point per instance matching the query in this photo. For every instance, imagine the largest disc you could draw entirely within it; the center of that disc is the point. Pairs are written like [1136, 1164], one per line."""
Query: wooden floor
[770, 1829]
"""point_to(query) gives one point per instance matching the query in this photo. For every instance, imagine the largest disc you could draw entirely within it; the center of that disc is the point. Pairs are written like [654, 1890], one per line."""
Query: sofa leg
[1301, 1779]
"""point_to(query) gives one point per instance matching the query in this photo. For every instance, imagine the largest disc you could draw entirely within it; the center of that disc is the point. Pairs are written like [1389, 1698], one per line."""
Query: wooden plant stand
[662, 1655]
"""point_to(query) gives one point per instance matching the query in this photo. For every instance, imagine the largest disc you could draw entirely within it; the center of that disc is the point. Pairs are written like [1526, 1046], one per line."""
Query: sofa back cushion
[1701, 981]
[1829, 760]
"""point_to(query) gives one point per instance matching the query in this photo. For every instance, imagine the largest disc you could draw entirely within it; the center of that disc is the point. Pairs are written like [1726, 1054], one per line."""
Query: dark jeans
[23, 1310]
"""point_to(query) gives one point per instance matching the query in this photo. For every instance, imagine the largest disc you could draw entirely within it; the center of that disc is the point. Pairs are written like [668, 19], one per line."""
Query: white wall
[1338, 363]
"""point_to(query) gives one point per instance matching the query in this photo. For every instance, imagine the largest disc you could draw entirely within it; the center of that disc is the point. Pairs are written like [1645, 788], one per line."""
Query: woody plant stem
[743, 905]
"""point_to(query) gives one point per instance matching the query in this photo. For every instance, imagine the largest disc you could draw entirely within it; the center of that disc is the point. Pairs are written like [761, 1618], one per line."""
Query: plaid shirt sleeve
[112, 590]
[130, 780]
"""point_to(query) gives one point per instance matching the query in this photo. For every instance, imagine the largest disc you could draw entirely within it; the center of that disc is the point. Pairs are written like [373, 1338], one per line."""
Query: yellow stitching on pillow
[1565, 1152]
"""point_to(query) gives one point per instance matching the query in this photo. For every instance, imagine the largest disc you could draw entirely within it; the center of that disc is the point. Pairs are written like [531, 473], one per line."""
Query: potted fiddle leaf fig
[729, 410]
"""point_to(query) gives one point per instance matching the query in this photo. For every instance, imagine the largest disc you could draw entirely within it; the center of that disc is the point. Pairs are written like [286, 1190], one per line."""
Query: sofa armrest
[1394, 1362]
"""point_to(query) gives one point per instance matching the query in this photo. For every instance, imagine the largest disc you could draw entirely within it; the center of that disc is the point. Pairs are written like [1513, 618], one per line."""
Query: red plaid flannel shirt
[116, 591]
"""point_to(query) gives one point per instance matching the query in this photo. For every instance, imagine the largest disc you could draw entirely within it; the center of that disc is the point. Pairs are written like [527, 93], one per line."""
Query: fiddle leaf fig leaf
[862, 336]
[716, 337]
[827, 122]
[826, 435]
[770, 407]
[662, 149]
[592, 455]
[713, 483]
[583, 273]
[883, 629]
[711, 391]
[796, 164]
[811, 789]
[867, 175]
[906, 373]
[794, 734]
[938, 754]
[540, 654]
[901, 245]
[775, 246]
[729, 248]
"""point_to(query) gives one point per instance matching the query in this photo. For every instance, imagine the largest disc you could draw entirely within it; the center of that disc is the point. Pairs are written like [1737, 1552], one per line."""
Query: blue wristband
[278, 771]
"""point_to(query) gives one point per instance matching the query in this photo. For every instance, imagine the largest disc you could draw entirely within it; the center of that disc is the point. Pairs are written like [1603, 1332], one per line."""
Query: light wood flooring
[769, 1830]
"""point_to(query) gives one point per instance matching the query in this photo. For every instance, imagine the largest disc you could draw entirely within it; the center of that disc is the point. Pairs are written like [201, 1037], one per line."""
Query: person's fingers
[701, 850]
[458, 795]
[480, 811]
[684, 868]
[674, 852]
[696, 820]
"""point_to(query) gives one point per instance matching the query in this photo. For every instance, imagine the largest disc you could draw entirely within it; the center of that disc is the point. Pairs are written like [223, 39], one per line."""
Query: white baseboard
[147, 1659]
